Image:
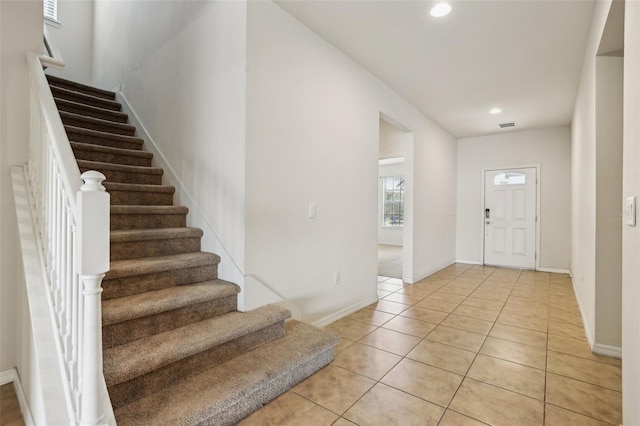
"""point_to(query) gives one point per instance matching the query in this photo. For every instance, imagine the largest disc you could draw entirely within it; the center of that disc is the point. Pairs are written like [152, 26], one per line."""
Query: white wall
[548, 147]
[74, 39]
[312, 136]
[596, 189]
[631, 235]
[391, 235]
[609, 126]
[20, 31]
[393, 141]
[182, 65]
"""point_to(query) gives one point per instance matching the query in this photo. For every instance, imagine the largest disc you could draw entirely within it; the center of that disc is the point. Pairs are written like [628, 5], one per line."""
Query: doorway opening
[394, 219]
[391, 189]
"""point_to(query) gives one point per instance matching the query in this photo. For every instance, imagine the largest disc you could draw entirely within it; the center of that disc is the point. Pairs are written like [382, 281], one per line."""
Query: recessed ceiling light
[440, 10]
[495, 111]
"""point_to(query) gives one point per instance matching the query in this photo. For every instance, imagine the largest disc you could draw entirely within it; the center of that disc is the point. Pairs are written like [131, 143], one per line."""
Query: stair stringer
[231, 270]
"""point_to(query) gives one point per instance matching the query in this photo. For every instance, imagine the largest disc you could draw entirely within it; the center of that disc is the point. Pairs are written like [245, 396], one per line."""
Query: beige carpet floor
[390, 261]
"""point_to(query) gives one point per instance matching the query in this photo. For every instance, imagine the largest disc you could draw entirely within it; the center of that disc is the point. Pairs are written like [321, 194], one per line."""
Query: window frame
[398, 192]
[50, 12]
[510, 178]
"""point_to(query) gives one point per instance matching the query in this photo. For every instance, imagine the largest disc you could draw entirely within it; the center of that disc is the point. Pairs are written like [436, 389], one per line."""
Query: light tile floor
[469, 345]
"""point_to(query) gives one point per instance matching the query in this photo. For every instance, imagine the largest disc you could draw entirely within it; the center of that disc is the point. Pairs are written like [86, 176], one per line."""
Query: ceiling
[522, 56]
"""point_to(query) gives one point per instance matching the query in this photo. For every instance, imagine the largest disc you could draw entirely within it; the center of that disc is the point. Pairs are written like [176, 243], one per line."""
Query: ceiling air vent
[507, 125]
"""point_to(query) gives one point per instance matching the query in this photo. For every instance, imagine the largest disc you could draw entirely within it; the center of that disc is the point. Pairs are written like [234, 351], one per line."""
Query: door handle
[488, 222]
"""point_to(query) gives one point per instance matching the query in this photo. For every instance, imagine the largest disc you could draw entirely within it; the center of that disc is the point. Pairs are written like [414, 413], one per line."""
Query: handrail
[54, 60]
[72, 226]
[70, 173]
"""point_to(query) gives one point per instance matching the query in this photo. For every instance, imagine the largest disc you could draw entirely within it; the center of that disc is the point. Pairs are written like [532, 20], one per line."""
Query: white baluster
[68, 283]
[80, 330]
[92, 261]
[75, 335]
[41, 170]
[49, 208]
[63, 267]
[57, 255]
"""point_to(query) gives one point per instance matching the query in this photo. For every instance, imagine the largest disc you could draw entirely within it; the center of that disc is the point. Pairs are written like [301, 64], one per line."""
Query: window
[511, 178]
[392, 201]
[51, 10]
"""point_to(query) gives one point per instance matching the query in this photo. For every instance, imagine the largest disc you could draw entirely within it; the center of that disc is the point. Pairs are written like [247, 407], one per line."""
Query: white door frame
[407, 229]
[537, 224]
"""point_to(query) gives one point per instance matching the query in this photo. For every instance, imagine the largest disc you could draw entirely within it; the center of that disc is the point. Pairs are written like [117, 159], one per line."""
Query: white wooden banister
[71, 222]
[92, 261]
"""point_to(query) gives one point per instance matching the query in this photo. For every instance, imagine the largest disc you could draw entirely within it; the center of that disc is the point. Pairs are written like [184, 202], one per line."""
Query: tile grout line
[442, 284]
[379, 380]
[480, 348]
[396, 315]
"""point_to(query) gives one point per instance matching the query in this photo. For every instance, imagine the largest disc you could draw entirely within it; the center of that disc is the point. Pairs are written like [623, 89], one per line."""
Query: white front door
[510, 218]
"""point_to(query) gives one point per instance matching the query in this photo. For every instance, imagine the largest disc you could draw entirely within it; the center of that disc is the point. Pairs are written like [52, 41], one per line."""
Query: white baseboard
[431, 272]
[322, 322]
[11, 376]
[555, 270]
[596, 348]
[469, 262]
[541, 269]
[585, 323]
[612, 351]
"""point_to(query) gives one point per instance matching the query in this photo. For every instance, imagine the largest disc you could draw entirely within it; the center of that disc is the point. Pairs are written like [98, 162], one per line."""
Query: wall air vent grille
[507, 125]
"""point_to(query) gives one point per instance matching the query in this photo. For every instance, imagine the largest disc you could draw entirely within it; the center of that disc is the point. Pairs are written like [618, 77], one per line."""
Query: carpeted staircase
[176, 350]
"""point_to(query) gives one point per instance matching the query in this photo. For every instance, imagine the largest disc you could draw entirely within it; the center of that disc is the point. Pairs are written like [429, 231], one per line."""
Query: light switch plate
[630, 210]
[312, 210]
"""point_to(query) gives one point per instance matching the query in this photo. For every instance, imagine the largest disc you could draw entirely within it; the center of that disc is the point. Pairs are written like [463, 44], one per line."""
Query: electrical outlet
[312, 210]
[336, 278]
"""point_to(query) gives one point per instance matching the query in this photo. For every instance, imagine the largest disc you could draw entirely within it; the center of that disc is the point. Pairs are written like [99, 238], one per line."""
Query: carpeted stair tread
[85, 122]
[133, 359]
[78, 134]
[140, 194]
[153, 302]
[226, 393]
[112, 150]
[100, 166]
[139, 243]
[143, 209]
[91, 111]
[125, 235]
[85, 99]
[136, 187]
[124, 173]
[149, 265]
[79, 87]
[130, 157]
[136, 216]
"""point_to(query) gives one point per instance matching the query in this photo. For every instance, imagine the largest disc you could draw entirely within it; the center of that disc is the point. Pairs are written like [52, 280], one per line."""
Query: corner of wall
[12, 376]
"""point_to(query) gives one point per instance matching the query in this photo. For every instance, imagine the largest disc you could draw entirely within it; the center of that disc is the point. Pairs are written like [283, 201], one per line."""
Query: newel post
[92, 262]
